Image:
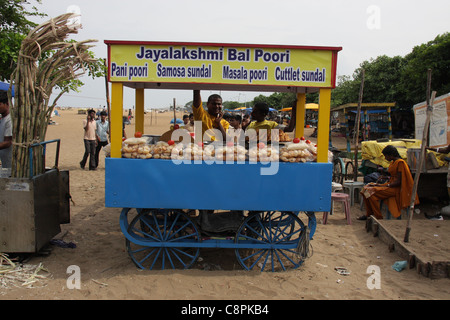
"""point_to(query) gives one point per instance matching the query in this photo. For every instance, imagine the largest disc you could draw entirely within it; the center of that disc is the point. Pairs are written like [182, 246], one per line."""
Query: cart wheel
[160, 239]
[349, 171]
[338, 171]
[272, 241]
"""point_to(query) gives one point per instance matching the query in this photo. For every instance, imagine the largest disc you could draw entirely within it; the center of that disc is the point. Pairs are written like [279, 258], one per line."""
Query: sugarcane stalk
[35, 79]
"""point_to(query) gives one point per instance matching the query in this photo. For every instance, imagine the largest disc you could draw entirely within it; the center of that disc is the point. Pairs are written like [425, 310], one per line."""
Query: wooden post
[347, 130]
[390, 122]
[174, 114]
[107, 101]
[300, 115]
[139, 112]
[422, 157]
[366, 125]
[323, 124]
[117, 119]
[357, 120]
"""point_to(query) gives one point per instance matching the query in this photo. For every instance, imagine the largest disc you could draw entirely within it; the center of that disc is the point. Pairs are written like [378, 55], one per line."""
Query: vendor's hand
[218, 118]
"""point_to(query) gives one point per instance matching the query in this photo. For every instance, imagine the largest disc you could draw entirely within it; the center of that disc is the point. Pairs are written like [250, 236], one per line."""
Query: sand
[108, 273]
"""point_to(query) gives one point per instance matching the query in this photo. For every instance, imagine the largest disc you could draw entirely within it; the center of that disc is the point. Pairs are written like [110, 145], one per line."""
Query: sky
[364, 30]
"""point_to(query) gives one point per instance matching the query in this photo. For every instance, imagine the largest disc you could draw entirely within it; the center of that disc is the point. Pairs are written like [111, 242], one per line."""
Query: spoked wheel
[160, 239]
[338, 171]
[272, 241]
[349, 171]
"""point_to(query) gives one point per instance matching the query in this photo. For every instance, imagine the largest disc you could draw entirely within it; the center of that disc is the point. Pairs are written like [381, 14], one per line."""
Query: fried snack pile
[190, 151]
[300, 150]
[162, 150]
[136, 148]
[227, 153]
[263, 153]
[284, 137]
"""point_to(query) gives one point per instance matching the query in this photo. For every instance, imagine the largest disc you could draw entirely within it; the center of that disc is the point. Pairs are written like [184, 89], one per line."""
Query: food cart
[32, 209]
[158, 196]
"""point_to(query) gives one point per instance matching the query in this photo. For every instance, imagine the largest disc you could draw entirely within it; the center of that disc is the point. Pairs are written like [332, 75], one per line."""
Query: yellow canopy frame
[123, 70]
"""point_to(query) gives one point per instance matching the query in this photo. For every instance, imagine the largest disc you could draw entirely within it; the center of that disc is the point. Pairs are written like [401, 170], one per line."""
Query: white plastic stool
[336, 187]
[352, 186]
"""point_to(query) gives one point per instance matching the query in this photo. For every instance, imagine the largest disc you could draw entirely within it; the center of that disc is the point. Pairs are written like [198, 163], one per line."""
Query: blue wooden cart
[267, 203]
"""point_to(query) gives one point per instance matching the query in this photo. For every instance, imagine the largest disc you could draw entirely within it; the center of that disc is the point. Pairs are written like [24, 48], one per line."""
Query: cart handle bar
[44, 144]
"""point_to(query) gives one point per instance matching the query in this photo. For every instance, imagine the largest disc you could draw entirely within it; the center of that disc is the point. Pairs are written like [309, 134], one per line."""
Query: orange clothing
[398, 198]
[372, 203]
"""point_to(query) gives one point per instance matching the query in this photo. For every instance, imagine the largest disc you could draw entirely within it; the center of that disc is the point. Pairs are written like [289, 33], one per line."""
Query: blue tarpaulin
[179, 121]
[371, 111]
[5, 87]
[250, 109]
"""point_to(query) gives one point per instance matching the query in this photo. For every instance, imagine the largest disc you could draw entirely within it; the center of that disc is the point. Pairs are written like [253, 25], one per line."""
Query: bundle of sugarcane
[45, 60]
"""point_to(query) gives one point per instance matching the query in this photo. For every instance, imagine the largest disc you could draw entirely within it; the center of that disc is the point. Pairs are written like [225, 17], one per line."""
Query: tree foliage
[14, 26]
[399, 79]
[277, 100]
[434, 55]
[386, 79]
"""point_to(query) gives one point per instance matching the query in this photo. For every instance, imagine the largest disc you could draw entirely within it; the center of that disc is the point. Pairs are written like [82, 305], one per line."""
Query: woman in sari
[397, 190]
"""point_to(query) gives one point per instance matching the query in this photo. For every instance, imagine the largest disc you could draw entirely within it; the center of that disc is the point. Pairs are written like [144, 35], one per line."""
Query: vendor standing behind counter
[212, 118]
[259, 114]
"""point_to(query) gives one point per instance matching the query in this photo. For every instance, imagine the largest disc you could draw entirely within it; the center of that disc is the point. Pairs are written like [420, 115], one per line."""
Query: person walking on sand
[90, 140]
[101, 135]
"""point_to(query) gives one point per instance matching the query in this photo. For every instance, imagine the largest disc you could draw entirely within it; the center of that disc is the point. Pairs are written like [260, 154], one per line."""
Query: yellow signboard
[198, 63]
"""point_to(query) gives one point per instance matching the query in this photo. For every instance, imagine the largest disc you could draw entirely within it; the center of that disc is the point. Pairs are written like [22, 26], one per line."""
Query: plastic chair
[336, 187]
[341, 197]
[352, 186]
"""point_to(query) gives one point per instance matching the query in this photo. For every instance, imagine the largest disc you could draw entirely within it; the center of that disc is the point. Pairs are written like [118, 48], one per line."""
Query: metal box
[31, 210]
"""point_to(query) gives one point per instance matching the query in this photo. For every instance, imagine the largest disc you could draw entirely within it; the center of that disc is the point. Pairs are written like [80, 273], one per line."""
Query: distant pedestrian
[185, 120]
[90, 140]
[101, 133]
[5, 132]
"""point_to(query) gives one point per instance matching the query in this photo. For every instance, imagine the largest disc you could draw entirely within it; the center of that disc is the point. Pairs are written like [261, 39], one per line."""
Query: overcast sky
[364, 29]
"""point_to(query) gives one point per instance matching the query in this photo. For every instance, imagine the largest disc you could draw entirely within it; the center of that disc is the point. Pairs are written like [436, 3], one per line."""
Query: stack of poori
[299, 150]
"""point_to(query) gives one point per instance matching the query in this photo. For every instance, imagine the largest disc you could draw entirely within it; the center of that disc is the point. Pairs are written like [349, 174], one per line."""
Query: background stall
[375, 120]
[310, 115]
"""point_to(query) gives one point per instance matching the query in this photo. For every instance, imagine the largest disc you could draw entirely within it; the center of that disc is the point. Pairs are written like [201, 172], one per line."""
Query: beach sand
[107, 272]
